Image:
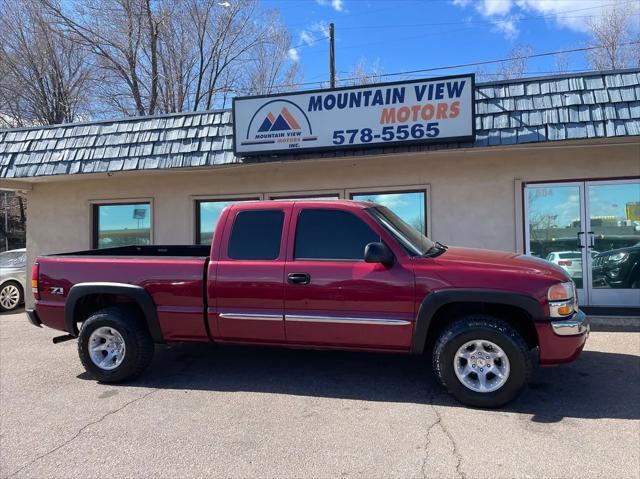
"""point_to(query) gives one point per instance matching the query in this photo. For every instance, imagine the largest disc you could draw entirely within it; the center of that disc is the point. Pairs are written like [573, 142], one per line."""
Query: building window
[411, 206]
[331, 235]
[256, 235]
[121, 224]
[207, 215]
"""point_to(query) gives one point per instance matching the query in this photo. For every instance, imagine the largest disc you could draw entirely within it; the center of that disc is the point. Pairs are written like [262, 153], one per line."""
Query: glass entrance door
[592, 230]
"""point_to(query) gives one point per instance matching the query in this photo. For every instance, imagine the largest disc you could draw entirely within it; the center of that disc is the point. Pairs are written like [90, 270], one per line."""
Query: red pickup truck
[318, 274]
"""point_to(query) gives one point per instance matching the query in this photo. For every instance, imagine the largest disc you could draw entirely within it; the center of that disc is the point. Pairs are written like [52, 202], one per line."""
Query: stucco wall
[474, 194]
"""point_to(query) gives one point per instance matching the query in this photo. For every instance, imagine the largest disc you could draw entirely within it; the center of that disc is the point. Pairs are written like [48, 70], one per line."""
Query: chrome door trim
[251, 316]
[299, 318]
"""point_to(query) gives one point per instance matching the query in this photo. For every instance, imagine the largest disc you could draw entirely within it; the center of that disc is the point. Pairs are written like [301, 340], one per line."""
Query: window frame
[381, 190]
[95, 217]
[297, 213]
[232, 224]
[197, 200]
[303, 195]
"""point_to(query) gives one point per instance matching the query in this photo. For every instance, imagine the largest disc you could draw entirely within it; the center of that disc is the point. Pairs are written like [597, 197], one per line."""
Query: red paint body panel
[556, 349]
[191, 293]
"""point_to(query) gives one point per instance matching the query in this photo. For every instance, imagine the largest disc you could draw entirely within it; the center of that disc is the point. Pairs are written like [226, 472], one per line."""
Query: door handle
[580, 245]
[298, 278]
[592, 239]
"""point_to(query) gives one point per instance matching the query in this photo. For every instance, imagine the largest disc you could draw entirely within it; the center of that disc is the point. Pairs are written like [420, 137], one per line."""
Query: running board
[62, 339]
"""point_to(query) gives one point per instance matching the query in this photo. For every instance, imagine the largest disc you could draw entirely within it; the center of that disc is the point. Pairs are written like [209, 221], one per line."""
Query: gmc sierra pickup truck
[318, 274]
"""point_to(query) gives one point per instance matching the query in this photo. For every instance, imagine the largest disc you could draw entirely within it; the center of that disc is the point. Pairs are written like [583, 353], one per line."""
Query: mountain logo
[283, 122]
[277, 125]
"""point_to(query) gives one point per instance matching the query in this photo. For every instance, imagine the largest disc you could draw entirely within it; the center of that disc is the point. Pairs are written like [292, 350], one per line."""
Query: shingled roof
[563, 107]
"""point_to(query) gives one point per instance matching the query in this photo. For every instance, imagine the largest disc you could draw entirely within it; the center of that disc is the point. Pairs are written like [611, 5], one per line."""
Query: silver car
[13, 278]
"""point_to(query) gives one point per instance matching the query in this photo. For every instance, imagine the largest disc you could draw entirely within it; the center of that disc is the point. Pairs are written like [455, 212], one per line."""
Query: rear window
[256, 235]
[570, 255]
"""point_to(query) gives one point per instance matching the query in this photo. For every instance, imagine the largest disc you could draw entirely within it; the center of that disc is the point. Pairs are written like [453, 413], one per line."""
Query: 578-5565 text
[388, 133]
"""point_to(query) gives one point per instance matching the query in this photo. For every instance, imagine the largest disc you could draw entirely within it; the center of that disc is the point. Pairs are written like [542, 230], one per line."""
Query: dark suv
[618, 268]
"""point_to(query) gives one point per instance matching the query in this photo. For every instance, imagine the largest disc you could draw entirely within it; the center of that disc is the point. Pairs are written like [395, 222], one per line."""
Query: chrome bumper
[574, 326]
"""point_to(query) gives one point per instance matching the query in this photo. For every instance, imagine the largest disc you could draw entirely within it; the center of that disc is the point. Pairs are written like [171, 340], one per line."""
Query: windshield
[410, 238]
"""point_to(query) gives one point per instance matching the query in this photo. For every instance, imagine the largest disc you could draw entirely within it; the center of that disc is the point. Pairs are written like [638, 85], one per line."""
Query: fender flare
[141, 297]
[437, 299]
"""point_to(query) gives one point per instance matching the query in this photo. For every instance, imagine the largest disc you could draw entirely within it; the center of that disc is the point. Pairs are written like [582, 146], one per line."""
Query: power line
[447, 67]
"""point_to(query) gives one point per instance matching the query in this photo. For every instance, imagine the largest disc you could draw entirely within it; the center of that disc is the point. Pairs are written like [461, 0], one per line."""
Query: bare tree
[516, 64]
[44, 78]
[364, 74]
[123, 36]
[161, 56]
[611, 33]
[270, 70]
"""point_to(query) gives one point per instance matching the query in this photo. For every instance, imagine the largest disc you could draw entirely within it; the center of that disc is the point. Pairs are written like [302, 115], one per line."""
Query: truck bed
[194, 251]
[174, 276]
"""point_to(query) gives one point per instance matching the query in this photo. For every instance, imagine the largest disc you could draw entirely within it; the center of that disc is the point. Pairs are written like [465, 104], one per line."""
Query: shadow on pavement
[18, 310]
[597, 385]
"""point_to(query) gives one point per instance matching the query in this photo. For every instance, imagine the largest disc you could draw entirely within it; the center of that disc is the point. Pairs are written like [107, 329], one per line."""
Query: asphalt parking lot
[204, 411]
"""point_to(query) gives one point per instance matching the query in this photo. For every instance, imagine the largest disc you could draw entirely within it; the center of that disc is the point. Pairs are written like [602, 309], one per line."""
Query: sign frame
[360, 146]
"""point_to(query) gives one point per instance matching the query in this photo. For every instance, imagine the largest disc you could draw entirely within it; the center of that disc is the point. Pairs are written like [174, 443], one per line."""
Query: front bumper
[574, 326]
[33, 318]
[561, 341]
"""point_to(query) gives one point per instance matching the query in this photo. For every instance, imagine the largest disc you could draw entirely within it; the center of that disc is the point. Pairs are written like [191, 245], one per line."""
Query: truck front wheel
[114, 345]
[482, 361]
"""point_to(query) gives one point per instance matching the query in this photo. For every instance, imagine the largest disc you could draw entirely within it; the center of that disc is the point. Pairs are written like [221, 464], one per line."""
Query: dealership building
[547, 166]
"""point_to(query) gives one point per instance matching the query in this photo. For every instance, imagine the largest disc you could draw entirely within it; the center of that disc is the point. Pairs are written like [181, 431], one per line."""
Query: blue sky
[401, 35]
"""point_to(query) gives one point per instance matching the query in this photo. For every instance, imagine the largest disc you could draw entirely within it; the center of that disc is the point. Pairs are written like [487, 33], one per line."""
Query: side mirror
[378, 253]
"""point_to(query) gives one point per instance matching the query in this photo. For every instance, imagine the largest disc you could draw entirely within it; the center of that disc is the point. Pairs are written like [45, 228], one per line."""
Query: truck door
[334, 298]
[248, 292]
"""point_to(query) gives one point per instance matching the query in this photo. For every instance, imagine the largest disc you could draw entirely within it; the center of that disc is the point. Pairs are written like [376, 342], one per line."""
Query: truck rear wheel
[482, 361]
[114, 345]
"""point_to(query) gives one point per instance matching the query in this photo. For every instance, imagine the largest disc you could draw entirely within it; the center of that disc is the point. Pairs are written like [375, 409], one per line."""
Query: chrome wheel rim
[481, 366]
[106, 348]
[9, 296]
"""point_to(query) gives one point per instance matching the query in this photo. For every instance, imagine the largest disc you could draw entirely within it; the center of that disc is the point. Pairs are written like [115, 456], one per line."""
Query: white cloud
[293, 55]
[505, 14]
[337, 5]
[314, 33]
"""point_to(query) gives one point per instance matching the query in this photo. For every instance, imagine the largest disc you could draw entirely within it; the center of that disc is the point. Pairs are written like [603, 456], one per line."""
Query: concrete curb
[615, 323]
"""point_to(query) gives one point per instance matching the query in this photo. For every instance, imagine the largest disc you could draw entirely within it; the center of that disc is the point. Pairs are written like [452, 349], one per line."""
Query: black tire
[503, 335]
[18, 286]
[137, 341]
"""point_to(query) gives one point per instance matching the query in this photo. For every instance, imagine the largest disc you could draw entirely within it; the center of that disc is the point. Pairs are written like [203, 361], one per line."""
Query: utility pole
[332, 58]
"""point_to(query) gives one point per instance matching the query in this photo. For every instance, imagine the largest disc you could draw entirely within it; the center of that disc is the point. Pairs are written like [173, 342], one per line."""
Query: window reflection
[614, 218]
[409, 205]
[122, 225]
[208, 213]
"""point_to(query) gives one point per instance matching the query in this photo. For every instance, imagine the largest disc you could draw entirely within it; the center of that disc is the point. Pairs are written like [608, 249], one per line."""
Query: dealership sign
[420, 111]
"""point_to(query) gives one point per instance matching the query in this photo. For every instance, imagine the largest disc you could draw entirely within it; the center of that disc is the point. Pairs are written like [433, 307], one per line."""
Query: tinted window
[256, 235]
[122, 225]
[208, 213]
[331, 234]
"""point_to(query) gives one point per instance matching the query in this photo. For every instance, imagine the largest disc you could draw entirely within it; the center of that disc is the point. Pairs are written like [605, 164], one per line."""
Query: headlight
[562, 299]
[618, 257]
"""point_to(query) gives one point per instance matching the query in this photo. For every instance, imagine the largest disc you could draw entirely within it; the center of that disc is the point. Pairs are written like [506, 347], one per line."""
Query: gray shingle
[594, 82]
[615, 95]
[634, 109]
[602, 96]
[532, 88]
[501, 121]
[628, 93]
[622, 111]
[576, 131]
[633, 127]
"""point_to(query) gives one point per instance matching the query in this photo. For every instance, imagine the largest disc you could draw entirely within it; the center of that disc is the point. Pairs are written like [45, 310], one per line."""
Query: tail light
[34, 280]
[564, 262]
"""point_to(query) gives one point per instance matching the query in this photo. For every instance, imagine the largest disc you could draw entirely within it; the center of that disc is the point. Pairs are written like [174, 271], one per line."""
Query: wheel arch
[132, 293]
[435, 306]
